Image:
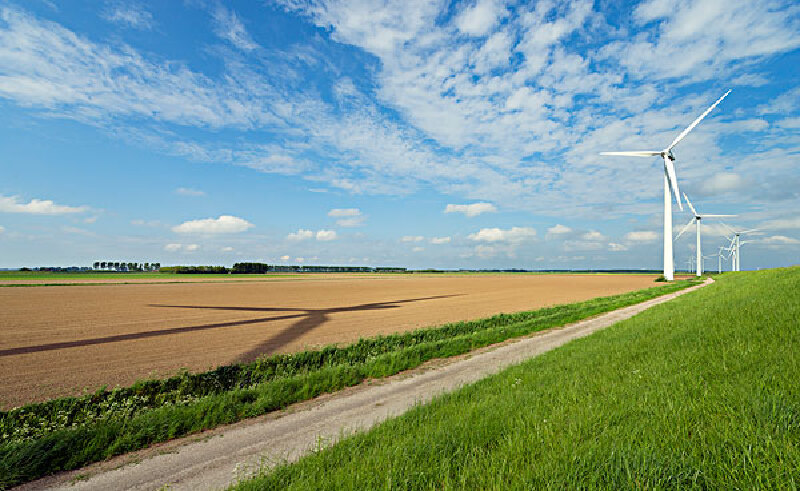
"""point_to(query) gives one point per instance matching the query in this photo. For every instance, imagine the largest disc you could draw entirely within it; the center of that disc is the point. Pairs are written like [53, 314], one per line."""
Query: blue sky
[421, 134]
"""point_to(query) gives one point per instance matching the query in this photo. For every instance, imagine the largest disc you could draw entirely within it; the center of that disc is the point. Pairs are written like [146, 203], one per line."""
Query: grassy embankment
[701, 392]
[68, 433]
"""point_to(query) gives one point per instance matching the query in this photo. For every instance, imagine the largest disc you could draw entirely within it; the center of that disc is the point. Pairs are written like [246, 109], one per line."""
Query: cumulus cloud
[189, 192]
[722, 182]
[615, 247]
[301, 234]
[11, 204]
[557, 230]
[2, 229]
[326, 235]
[412, 238]
[440, 240]
[479, 19]
[227, 249]
[417, 249]
[225, 224]
[285, 257]
[471, 210]
[181, 247]
[641, 236]
[348, 217]
[593, 235]
[514, 234]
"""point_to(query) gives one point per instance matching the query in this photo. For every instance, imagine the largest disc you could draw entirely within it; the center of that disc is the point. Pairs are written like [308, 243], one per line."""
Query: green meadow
[700, 392]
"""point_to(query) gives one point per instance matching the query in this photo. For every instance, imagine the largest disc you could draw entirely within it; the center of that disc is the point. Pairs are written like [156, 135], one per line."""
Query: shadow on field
[308, 319]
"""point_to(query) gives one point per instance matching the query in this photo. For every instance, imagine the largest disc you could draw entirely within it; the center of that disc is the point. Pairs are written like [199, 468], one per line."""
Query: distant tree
[250, 268]
[103, 265]
[147, 266]
[156, 266]
[96, 264]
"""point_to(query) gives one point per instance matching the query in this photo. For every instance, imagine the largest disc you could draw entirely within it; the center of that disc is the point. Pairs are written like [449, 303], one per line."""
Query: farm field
[700, 392]
[66, 341]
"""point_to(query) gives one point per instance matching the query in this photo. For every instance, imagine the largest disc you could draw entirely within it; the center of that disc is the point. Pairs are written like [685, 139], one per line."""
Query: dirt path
[217, 459]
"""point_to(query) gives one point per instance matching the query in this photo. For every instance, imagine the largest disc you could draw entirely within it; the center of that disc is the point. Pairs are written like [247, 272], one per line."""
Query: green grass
[64, 434]
[701, 392]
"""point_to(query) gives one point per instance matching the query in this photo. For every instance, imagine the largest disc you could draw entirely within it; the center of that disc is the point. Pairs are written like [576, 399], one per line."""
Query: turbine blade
[632, 154]
[730, 229]
[750, 231]
[717, 216]
[690, 204]
[673, 180]
[696, 121]
[685, 228]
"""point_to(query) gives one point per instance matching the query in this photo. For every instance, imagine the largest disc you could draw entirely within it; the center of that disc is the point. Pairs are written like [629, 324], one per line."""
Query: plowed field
[58, 341]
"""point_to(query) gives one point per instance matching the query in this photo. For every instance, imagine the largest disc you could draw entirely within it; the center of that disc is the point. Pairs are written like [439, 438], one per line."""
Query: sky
[394, 133]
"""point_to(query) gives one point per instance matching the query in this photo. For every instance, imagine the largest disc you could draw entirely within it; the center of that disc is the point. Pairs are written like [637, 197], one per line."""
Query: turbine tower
[670, 180]
[736, 245]
[696, 220]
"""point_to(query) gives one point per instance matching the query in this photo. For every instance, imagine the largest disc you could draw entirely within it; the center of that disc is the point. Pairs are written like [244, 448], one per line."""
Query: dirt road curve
[215, 463]
[59, 341]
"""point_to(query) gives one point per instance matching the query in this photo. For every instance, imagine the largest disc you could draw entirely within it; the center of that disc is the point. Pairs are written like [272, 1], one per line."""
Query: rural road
[217, 459]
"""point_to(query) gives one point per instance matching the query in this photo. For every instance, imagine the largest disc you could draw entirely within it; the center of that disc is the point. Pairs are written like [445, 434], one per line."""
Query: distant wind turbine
[736, 245]
[670, 179]
[696, 220]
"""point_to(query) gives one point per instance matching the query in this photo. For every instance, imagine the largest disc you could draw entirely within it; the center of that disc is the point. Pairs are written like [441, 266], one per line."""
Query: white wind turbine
[696, 220]
[670, 179]
[736, 245]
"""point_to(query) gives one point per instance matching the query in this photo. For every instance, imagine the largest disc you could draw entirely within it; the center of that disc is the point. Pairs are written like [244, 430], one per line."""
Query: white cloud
[722, 182]
[229, 27]
[189, 192]
[779, 240]
[227, 249]
[348, 217]
[557, 230]
[285, 257]
[641, 236]
[90, 219]
[350, 222]
[594, 236]
[479, 19]
[440, 240]
[301, 234]
[615, 247]
[11, 204]
[225, 224]
[344, 212]
[326, 235]
[782, 223]
[181, 247]
[2, 229]
[417, 249]
[412, 238]
[130, 14]
[471, 210]
[514, 234]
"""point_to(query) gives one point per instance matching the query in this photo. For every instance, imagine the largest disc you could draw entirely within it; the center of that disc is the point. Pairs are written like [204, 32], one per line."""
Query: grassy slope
[67, 433]
[701, 392]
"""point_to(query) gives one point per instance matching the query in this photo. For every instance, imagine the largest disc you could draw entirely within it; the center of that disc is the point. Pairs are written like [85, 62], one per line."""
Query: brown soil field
[60, 341]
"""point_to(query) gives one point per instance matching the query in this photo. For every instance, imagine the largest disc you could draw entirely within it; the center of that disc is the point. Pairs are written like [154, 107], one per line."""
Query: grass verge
[67, 433]
[701, 392]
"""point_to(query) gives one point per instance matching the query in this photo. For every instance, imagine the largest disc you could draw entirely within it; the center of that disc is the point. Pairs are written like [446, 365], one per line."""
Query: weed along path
[218, 458]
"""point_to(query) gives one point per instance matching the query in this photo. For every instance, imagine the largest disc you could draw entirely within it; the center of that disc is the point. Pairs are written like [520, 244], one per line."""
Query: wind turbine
[670, 179]
[696, 220]
[736, 244]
